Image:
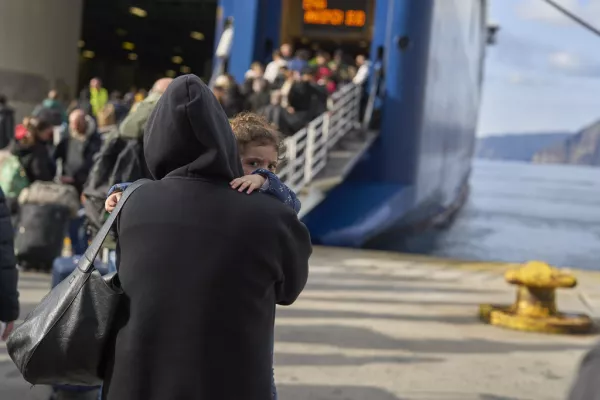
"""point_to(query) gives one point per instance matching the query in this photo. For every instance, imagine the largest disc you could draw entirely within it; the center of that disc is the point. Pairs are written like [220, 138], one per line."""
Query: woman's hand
[248, 182]
[111, 201]
[7, 330]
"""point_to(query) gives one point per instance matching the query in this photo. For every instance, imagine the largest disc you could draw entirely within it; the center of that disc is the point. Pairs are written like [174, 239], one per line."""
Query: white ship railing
[308, 149]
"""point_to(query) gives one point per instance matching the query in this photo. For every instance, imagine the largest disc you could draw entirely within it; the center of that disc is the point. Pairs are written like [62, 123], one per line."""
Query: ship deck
[381, 326]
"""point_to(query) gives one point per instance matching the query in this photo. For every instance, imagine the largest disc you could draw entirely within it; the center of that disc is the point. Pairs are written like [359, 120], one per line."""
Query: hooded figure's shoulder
[260, 209]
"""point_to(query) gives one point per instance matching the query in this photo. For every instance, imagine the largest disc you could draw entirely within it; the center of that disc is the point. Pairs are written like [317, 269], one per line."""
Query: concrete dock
[381, 326]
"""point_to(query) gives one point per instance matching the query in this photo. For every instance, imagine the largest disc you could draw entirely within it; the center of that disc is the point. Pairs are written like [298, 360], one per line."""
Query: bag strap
[87, 261]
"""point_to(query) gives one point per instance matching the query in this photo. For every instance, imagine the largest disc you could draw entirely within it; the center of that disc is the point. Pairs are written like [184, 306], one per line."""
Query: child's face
[258, 156]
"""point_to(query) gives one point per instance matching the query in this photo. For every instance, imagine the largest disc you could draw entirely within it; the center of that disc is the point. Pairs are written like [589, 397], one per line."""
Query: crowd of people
[201, 265]
[103, 139]
[293, 88]
[59, 143]
[289, 92]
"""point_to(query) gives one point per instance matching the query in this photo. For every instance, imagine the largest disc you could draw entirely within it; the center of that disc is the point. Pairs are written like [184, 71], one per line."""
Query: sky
[543, 75]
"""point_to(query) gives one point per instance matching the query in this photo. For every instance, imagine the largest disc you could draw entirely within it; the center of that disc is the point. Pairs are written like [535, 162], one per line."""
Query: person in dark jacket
[259, 96]
[306, 100]
[228, 95]
[31, 147]
[9, 296]
[75, 157]
[195, 281]
[7, 123]
[76, 152]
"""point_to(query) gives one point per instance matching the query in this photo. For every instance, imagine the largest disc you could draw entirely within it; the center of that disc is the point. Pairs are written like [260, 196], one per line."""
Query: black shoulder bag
[62, 341]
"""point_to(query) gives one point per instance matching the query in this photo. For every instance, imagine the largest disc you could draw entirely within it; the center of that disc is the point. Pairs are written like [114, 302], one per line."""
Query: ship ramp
[320, 155]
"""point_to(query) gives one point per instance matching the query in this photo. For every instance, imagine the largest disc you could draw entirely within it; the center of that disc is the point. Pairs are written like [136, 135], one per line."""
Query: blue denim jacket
[273, 186]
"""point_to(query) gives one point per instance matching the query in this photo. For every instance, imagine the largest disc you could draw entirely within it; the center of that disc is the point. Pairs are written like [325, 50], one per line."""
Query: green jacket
[98, 99]
[133, 125]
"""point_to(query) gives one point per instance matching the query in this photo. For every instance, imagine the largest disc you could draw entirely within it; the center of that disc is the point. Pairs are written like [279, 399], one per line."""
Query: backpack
[120, 160]
[13, 178]
[41, 193]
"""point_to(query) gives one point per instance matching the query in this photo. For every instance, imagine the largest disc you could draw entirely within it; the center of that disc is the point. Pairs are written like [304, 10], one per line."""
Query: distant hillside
[517, 146]
[582, 148]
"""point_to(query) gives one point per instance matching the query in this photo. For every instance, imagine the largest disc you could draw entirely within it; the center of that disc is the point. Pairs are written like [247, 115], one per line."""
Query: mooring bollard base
[561, 323]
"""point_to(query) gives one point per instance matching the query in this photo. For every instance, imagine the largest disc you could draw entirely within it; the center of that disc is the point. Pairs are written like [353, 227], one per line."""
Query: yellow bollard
[535, 307]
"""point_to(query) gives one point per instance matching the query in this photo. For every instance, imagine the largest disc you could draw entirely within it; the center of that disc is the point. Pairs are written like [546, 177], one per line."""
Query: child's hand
[111, 201]
[250, 182]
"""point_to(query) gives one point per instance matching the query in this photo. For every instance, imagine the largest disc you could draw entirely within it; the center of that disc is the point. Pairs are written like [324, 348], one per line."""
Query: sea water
[518, 212]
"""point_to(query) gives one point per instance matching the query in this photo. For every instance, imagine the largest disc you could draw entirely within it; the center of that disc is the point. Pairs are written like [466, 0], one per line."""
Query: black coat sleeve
[41, 166]
[92, 147]
[7, 128]
[9, 296]
[10, 127]
[295, 250]
[587, 385]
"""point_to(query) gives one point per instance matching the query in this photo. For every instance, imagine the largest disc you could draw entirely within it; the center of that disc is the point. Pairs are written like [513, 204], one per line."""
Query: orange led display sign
[340, 13]
[314, 4]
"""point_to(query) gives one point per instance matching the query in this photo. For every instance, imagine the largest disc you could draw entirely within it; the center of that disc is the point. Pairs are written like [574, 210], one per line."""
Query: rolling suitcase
[40, 233]
[63, 266]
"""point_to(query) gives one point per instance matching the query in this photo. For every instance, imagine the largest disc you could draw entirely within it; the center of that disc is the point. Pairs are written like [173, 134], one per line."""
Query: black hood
[188, 134]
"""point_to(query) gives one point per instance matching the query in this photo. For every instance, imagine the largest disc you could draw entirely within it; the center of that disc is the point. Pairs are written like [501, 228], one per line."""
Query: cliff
[517, 146]
[582, 148]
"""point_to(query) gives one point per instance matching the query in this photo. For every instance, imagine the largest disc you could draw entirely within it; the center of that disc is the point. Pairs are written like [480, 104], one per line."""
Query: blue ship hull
[416, 174]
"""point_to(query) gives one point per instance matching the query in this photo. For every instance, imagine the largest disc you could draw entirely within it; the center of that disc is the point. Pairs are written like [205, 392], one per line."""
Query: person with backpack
[9, 296]
[133, 125]
[121, 158]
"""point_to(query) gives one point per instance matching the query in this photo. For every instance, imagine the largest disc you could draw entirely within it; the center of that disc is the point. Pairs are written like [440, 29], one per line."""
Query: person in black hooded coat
[9, 296]
[201, 265]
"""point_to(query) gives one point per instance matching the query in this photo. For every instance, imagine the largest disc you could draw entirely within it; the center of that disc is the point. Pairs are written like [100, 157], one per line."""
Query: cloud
[538, 10]
[565, 61]
[528, 57]
[517, 78]
[573, 64]
[522, 78]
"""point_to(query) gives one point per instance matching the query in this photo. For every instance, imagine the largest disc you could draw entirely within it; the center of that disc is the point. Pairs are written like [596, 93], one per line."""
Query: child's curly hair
[252, 128]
